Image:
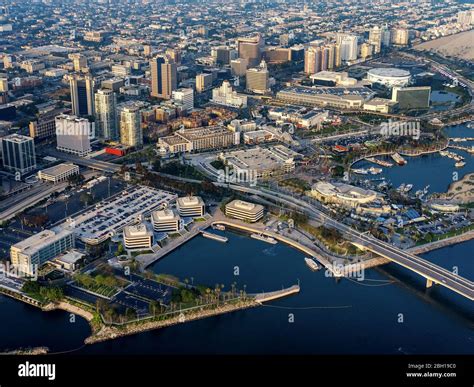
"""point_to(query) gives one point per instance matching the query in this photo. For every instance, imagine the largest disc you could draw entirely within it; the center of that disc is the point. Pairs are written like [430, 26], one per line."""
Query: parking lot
[111, 216]
[151, 290]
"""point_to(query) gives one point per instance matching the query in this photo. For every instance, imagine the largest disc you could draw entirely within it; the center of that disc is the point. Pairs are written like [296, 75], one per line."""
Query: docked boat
[460, 164]
[398, 159]
[401, 188]
[312, 264]
[375, 171]
[264, 238]
[360, 171]
[408, 188]
[379, 162]
[219, 227]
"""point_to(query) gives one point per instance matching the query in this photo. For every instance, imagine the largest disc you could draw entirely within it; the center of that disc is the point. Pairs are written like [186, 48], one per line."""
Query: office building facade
[164, 78]
[73, 134]
[82, 95]
[18, 153]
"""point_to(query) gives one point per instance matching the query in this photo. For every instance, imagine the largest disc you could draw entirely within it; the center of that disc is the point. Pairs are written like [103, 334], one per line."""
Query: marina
[420, 172]
[345, 309]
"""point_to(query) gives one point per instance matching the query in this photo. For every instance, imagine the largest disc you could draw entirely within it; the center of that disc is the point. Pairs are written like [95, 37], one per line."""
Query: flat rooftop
[259, 158]
[38, 241]
[190, 201]
[164, 215]
[58, 169]
[138, 230]
[110, 216]
[244, 206]
[359, 91]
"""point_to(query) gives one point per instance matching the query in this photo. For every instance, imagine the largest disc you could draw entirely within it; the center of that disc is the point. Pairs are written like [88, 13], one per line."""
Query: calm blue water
[432, 169]
[330, 317]
[363, 319]
[441, 101]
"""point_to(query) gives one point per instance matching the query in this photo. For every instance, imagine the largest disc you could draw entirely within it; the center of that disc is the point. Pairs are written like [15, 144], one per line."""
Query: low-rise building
[137, 237]
[69, 261]
[381, 105]
[190, 206]
[340, 193]
[166, 221]
[260, 162]
[36, 250]
[335, 97]
[248, 212]
[226, 96]
[198, 139]
[333, 78]
[59, 172]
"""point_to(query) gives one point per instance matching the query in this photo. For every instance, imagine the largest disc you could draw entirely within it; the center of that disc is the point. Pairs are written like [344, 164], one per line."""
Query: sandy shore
[459, 45]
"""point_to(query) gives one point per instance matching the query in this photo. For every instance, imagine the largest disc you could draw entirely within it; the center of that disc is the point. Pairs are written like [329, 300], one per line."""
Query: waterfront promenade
[109, 332]
[146, 260]
[442, 243]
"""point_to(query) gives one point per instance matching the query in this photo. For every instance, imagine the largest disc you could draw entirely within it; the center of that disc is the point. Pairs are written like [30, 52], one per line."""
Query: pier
[109, 332]
[265, 297]
[147, 259]
[215, 237]
[463, 148]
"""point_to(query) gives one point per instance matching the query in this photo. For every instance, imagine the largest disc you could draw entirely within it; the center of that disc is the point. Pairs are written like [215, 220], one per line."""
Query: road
[433, 273]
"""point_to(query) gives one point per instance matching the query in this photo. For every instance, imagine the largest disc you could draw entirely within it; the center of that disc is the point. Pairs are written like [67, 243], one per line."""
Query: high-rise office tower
[258, 79]
[337, 55]
[324, 58]
[203, 82]
[18, 153]
[400, 36]
[163, 77]
[239, 66]
[312, 60]
[174, 54]
[223, 55]
[82, 95]
[131, 133]
[349, 48]
[79, 61]
[251, 49]
[386, 36]
[147, 50]
[73, 134]
[331, 56]
[375, 39]
[105, 113]
[366, 50]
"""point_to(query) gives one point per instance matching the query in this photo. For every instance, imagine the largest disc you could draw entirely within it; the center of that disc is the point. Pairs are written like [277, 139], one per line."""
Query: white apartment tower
[105, 114]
